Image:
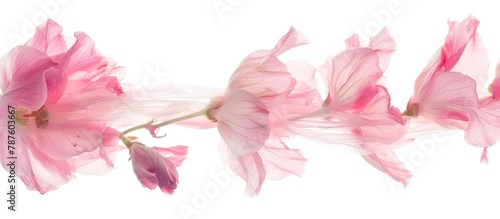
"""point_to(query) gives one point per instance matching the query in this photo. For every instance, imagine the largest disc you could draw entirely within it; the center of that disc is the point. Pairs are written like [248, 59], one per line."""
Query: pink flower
[248, 115]
[357, 111]
[462, 52]
[62, 98]
[446, 92]
[157, 166]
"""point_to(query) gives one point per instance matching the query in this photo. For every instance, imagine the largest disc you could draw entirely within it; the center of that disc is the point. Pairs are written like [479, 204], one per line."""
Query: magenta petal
[243, 122]
[152, 169]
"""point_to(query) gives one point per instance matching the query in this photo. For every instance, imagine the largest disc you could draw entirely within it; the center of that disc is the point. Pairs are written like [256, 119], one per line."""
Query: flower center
[411, 110]
[40, 117]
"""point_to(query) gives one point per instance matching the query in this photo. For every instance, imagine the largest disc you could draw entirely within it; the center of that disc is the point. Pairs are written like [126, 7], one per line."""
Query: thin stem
[127, 142]
[182, 118]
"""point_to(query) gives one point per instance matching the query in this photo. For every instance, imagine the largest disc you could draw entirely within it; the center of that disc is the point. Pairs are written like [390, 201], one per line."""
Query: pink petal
[243, 122]
[495, 88]
[82, 60]
[463, 52]
[349, 74]
[249, 167]
[37, 171]
[388, 163]
[353, 42]
[280, 161]
[152, 169]
[176, 155]
[62, 143]
[23, 73]
[48, 39]
[290, 40]
[448, 93]
[383, 44]
[483, 129]
[261, 75]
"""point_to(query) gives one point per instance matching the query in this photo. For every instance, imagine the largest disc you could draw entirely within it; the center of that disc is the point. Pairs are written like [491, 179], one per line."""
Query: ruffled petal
[23, 74]
[48, 39]
[462, 52]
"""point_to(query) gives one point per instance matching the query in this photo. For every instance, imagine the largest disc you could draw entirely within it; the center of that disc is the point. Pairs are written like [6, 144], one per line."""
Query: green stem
[143, 126]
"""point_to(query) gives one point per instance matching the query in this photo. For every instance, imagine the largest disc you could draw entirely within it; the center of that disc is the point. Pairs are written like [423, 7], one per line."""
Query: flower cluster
[69, 102]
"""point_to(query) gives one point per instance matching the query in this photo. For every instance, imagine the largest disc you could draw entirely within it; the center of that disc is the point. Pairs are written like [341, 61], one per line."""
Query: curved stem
[128, 143]
[182, 118]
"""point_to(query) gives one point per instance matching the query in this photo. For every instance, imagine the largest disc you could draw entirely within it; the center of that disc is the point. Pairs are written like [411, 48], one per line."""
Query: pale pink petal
[388, 163]
[37, 171]
[281, 161]
[383, 44]
[249, 167]
[447, 95]
[304, 97]
[176, 155]
[63, 143]
[243, 122]
[82, 60]
[48, 39]
[290, 40]
[353, 42]
[483, 129]
[261, 75]
[349, 74]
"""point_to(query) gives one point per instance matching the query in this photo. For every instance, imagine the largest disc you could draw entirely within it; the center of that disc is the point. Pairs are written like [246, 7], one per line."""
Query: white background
[189, 42]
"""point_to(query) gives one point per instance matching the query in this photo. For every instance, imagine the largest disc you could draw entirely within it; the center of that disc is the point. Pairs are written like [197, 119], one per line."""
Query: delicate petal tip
[291, 39]
[353, 42]
[167, 190]
[484, 155]
[48, 39]
[388, 163]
